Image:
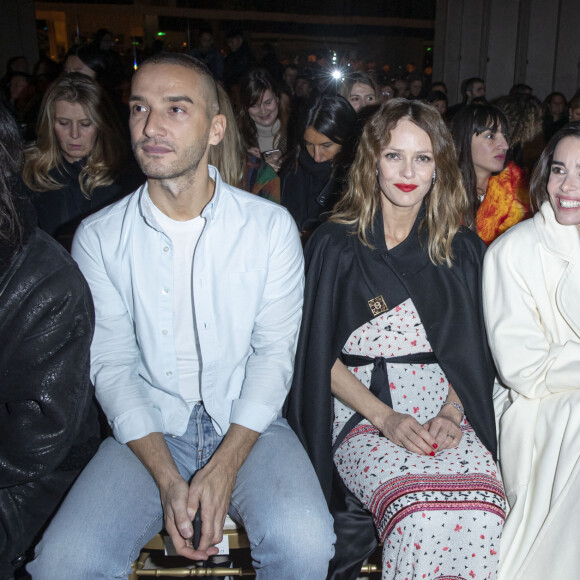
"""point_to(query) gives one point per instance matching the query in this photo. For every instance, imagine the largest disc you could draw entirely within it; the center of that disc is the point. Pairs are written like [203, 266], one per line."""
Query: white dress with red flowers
[439, 517]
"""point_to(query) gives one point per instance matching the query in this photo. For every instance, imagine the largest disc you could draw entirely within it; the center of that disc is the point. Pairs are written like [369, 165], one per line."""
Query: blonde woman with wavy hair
[79, 161]
[392, 392]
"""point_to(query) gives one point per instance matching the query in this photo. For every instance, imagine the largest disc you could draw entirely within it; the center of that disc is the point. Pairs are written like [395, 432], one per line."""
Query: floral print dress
[439, 517]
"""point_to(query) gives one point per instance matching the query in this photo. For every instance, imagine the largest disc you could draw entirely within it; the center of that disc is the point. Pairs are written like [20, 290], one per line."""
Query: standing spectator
[555, 114]
[270, 62]
[289, 76]
[209, 54]
[471, 88]
[239, 61]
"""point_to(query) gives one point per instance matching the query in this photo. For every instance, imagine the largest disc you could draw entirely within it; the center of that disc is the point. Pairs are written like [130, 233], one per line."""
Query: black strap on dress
[379, 381]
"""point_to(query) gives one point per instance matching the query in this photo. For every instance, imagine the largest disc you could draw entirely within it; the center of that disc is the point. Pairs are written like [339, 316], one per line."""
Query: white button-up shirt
[247, 298]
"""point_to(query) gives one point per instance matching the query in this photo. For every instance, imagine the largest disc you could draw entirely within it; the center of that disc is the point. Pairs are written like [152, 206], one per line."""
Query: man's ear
[217, 129]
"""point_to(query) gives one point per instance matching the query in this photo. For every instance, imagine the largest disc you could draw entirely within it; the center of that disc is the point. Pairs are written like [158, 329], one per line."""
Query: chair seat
[234, 535]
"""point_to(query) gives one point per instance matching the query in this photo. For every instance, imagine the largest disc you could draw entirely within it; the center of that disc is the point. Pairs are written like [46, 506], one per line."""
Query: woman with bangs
[79, 161]
[262, 118]
[498, 194]
[392, 392]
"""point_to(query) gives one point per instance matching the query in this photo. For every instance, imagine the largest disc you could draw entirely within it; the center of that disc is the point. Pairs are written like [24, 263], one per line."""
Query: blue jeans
[114, 508]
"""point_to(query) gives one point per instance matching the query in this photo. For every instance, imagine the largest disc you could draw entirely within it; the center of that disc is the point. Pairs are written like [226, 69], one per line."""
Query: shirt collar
[207, 213]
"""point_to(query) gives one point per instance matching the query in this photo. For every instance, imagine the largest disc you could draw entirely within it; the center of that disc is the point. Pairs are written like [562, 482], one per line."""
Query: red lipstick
[406, 187]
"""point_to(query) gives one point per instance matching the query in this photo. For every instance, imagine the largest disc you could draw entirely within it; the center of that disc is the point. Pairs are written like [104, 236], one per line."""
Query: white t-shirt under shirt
[184, 235]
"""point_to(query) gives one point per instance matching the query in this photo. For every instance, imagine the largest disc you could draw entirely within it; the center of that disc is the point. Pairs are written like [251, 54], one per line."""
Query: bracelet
[457, 406]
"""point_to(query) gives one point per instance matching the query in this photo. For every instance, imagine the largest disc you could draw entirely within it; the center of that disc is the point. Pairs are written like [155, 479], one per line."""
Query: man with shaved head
[198, 297]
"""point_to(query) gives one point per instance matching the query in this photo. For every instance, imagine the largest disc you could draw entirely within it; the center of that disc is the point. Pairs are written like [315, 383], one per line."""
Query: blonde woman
[79, 162]
[392, 393]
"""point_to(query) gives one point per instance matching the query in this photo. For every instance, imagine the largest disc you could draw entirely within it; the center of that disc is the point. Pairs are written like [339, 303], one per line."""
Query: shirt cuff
[252, 414]
[137, 423]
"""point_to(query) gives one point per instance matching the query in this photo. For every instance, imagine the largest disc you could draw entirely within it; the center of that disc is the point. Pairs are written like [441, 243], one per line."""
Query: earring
[376, 171]
[434, 176]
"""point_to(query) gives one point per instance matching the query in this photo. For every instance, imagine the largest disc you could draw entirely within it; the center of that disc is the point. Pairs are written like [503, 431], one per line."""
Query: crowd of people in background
[330, 150]
[270, 101]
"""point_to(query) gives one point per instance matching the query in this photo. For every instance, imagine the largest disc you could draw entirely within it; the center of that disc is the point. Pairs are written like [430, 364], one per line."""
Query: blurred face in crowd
[564, 182]
[406, 167]
[235, 43]
[416, 87]
[441, 106]
[488, 152]
[205, 41]
[557, 105]
[319, 146]
[74, 64]
[290, 75]
[74, 130]
[387, 93]
[301, 88]
[477, 90]
[18, 86]
[439, 87]
[265, 111]
[402, 87]
[361, 96]
[575, 114]
[107, 42]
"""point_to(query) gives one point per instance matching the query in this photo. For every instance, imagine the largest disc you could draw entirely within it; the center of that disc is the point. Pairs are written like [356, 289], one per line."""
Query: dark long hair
[539, 182]
[469, 121]
[334, 118]
[11, 159]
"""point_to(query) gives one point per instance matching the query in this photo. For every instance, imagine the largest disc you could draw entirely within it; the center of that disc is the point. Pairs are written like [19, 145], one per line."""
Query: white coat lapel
[564, 243]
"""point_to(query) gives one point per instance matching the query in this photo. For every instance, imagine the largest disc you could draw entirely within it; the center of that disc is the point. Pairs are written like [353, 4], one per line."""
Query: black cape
[342, 275]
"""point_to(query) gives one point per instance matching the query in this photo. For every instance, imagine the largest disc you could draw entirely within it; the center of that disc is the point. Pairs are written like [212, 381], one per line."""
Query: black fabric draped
[342, 275]
[308, 190]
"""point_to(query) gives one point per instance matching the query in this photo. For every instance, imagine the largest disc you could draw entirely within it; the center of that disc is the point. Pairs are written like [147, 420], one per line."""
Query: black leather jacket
[48, 422]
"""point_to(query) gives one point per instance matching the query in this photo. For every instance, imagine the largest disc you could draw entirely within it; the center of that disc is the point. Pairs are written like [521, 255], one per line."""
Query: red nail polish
[435, 446]
[432, 454]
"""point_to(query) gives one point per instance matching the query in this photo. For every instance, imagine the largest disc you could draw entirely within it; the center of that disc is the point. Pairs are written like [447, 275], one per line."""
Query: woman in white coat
[532, 309]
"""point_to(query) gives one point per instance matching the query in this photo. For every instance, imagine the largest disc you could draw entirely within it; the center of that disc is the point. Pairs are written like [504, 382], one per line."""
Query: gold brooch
[378, 305]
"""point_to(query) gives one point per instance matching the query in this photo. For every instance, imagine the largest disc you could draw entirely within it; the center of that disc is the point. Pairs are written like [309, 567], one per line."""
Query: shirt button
[164, 331]
[165, 290]
[166, 248]
[168, 373]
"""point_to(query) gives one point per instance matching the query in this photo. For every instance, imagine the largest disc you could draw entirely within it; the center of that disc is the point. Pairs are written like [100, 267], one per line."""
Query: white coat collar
[564, 243]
